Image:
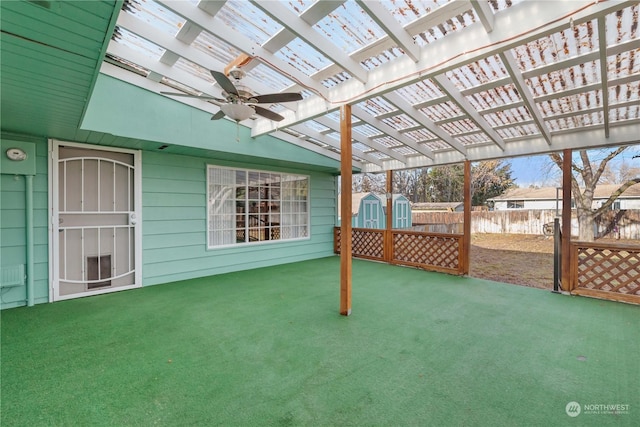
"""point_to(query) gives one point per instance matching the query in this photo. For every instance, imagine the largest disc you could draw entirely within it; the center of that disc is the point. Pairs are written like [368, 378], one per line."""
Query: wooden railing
[366, 243]
[610, 271]
[429, 251]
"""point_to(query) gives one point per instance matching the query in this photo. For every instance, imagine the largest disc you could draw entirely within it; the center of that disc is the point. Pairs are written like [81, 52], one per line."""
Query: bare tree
[368, 182]
[590, 173]
[404, 182]
[619, 173]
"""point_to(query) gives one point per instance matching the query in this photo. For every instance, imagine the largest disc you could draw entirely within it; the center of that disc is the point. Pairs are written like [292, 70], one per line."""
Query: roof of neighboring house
[549, 193]
[441, 206]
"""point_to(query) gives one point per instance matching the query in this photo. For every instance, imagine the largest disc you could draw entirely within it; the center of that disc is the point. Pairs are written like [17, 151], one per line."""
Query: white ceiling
[430, 82]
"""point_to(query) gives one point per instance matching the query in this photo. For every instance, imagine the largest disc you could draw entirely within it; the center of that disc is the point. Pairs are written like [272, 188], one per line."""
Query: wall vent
[12, 275]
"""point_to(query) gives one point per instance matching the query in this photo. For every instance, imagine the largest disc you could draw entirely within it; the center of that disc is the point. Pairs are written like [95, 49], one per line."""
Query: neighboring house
[550, 198]
[369, 211]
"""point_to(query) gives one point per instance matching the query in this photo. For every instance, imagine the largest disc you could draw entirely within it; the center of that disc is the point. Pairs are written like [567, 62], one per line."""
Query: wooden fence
[609, 271]
[429, 251]
[617, 224]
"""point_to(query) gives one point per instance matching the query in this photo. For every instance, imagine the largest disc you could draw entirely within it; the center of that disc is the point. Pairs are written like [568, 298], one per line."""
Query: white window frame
[232, 230]
[515, 204]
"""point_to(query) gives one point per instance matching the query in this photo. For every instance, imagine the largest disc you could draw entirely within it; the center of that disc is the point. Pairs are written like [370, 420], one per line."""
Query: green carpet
[268, 347]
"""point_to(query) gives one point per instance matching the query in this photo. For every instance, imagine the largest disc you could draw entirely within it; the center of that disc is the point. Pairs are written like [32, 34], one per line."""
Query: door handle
[132, 218]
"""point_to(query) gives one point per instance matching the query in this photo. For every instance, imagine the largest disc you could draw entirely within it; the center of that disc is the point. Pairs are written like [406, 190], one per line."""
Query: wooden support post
[466, 226]
[565, 274]
[345, 213]
[388, 237]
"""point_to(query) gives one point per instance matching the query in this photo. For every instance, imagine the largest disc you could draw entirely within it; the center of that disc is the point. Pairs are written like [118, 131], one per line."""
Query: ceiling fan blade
[218, 115]
[275, 98]
[186, 95]
[268, 114]
[224, 82]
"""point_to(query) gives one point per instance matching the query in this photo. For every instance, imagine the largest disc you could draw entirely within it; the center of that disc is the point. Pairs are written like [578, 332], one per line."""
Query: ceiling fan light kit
[237, 112]
[239, 102]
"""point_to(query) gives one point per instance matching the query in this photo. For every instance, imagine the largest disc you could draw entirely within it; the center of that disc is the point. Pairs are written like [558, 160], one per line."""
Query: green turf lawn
[268, 347]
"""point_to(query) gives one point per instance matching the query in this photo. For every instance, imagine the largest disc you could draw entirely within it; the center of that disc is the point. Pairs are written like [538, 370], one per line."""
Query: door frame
[53, 212]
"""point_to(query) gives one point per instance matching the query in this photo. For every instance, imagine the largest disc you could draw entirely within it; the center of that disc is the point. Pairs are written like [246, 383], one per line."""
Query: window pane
[221, 207]
[249, 206]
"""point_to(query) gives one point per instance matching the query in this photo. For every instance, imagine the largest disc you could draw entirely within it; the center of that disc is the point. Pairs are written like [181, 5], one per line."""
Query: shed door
[370, 213]
[402, 214]
[95, 221]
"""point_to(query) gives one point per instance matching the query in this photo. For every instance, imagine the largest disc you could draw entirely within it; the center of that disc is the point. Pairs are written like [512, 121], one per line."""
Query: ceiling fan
[239, 103]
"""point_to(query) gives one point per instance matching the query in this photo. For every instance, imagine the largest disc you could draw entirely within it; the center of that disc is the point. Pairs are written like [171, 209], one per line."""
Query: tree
[590, 174]
[368, 182]
[446, 183]
[489, 179]
[404, 182]
[442, 183]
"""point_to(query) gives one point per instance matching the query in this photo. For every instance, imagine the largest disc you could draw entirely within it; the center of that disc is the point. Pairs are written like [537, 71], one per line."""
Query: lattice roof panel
[430, 81]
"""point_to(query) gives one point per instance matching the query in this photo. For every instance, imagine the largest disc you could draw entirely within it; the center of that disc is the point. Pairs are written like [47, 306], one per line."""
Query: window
[515, 204]
[247, 206]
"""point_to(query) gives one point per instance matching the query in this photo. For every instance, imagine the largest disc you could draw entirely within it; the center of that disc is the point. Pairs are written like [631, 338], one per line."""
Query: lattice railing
[365, 243]
[612, 269]
[432, 251]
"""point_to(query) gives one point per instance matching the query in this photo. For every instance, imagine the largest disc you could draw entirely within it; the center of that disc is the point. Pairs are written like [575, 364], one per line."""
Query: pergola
[401, 84]
[429, 82]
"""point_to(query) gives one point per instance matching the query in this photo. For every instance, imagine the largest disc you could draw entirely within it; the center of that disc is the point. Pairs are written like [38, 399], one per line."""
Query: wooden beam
[388, 238]
[239, 61]
[466, 226]
[565, 274]
[345, 212]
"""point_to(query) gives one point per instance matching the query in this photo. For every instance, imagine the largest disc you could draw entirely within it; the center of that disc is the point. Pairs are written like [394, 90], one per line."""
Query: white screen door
[95, 220]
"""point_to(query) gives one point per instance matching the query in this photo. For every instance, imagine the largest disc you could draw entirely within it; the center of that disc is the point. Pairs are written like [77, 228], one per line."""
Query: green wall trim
[119, 108]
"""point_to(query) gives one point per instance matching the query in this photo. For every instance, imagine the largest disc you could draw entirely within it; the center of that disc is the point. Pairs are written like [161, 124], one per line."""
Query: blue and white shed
[369, 211]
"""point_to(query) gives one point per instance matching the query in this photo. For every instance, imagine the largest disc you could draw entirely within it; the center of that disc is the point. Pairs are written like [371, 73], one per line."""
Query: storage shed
[370, 211]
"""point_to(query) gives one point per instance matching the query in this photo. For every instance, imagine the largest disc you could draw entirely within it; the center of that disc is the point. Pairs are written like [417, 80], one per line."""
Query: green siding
[120, 108]
[175, 221]
[13, 233]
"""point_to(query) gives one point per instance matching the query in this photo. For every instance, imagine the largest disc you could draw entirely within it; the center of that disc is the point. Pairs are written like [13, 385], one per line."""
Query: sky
[533, 170]
[536, 170]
